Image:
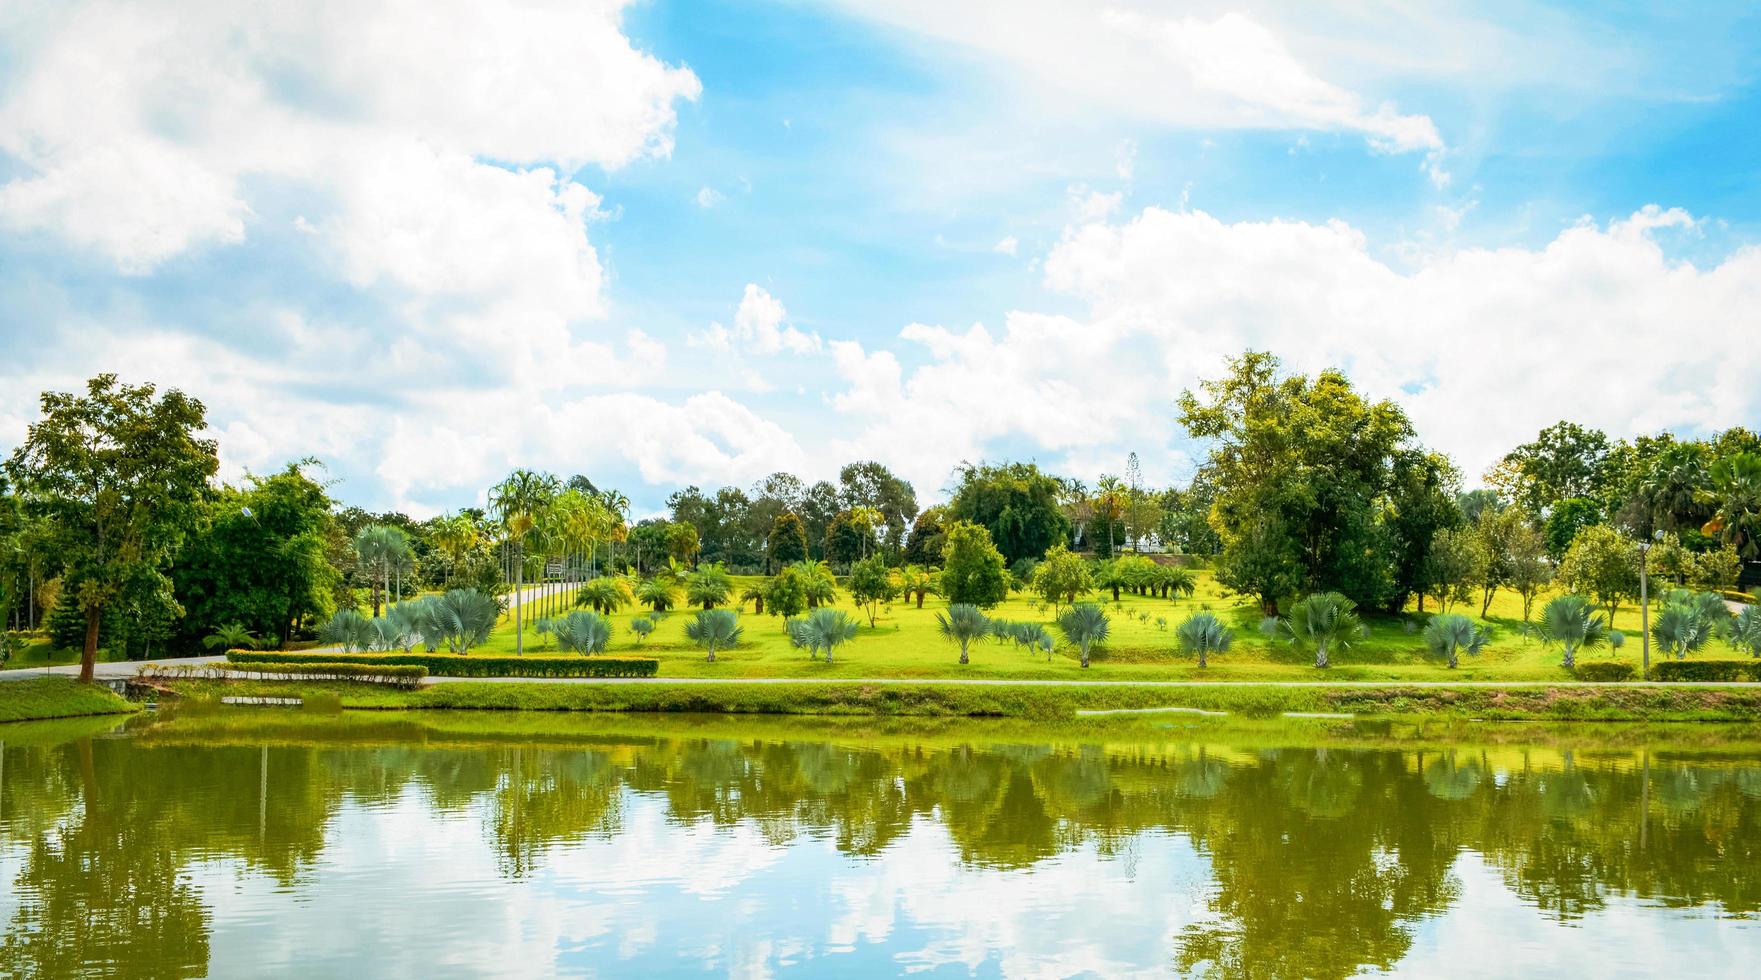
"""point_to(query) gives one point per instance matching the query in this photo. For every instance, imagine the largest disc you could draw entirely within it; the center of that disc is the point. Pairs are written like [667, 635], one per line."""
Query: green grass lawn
[56, 697]
[37, 651]
[904, 643]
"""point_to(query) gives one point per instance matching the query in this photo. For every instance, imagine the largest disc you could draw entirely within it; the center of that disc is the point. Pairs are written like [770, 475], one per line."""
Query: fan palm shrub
[1084, 624]
[1036, 638]
[460, 618]
[1322, 622]
[826, 629]
[963, 622]
[232, 636]
[640, 627]
[1203, 634]
[1451, 634]
[1680, 630]
[755, 595]
[349, 630]
[1174, 582]
[581, 631]
[1745, 631]
[714, 629]
[1572, 622]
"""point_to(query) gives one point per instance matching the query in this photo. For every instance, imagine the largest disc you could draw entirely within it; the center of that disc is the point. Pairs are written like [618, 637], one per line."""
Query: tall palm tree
[714, 629]
[1735, 497]
[1085, 625]
[382, 550]
[1322, 622]
[827, 629]
[519, 502]
[456, 537]
[1573, 623]
[1451, 634]
[1204, 634]
[1109, 505]
[963, 622]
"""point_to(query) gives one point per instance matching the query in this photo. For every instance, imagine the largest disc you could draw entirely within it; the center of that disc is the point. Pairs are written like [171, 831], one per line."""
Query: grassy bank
[57, 697]
[1587, 703]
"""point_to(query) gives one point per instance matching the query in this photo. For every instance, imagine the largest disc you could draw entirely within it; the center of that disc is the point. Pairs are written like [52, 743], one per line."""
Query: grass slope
[904, 643]
[57, 697]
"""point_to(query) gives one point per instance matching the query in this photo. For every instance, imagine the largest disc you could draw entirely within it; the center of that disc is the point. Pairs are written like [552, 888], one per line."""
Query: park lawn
[38, 652]
[57, 697]
[904, 643]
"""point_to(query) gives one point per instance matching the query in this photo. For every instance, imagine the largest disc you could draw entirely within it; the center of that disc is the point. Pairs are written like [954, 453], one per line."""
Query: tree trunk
[1085, 656]
[758, 606]
[712, 653]
[88, 659]
[1321, 660]
[963, 652]
[1570, 658]
[519, 631]
[920, 599]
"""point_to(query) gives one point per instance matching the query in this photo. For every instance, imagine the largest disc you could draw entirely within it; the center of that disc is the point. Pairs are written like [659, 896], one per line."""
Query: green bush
[1707, 670]
[447, 665]
[406, 676]
[1602, 670]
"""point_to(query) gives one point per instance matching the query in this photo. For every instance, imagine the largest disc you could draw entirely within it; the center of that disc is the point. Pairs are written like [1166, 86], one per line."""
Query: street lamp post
[1644, 613]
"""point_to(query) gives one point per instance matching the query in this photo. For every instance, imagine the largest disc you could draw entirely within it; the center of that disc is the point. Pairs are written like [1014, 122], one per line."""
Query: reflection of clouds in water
[1491, 928]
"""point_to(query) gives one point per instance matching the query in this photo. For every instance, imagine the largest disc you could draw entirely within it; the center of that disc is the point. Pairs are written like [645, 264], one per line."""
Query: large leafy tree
[259, 560]
[119, 476]
[1604, 564]
[871, 584]
[1422, 501]
[973, 572]
[1303, 470]
[924, 546]
[893, 501]
[1062, 577]
[1016, 503]
[1565, 460]
[788, 538]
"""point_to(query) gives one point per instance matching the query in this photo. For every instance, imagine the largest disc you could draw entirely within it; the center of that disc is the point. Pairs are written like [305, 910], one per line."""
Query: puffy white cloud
[1227, 71]
[138, 126]
[1007, 245]
[1483, 346]
[708, 197]
[760, 327]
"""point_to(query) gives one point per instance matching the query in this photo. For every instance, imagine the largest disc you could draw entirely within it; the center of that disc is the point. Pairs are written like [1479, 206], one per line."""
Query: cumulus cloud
[1483, 346]
[760, 327]
[708, 197]
[142, 130]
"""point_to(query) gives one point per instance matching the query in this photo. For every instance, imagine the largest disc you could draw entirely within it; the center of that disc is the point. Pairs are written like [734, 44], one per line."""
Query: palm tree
[1451, 634]
[1709, 607]
[1109, 506]
[581, 632]
[826, 629]
[461, 618]
[456, 537]
[755, 595]
[822, 585]
[1680, 630]
[709, 586]
[604, 595]
[1084, 624]
[964, 623]
[519, 500]
[714, 629]
[1745, 633]
[1736, 501]
[381, 549]
[1321, 622]
[349, 630]
[1112, 574]
[915, 580]
[1204, 634]
[1035, 636]
[640, 627]
[657, 593]
[1572, 622]
[1175, 582]
[232, 636]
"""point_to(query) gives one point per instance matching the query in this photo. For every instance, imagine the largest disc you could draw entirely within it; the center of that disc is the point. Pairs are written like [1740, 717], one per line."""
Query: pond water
[262, 842]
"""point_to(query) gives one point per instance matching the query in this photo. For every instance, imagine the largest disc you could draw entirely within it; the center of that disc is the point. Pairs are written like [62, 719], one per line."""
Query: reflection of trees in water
[1322, 859]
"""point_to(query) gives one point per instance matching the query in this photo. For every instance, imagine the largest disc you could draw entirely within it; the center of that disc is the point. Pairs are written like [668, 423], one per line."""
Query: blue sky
[664, 243]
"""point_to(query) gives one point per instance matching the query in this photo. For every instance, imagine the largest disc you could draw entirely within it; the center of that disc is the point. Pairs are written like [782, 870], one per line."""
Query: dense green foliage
[973, 570]
[1016, 504]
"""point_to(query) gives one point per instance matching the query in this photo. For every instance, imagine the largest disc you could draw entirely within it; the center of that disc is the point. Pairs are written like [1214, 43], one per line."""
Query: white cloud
[141, 130]
[1483, 346]
[709, 197]
[1230, 71]
[760, 327]
[1007, 245]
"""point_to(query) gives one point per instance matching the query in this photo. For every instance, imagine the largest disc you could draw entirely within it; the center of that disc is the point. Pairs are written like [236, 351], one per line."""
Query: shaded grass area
[1589, 703]
[57, 697]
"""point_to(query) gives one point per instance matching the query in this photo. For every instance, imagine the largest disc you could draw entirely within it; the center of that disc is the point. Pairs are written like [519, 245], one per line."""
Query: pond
[265, 842]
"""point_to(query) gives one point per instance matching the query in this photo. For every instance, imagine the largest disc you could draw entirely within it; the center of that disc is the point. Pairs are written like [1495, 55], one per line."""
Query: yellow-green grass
[904, 643]
[57, 697]
[38, 651]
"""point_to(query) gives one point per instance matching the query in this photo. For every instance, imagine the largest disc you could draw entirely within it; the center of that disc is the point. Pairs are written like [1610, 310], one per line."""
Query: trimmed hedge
[449, 665]
[1707, 670]
[406, 676]
[1603, 671]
